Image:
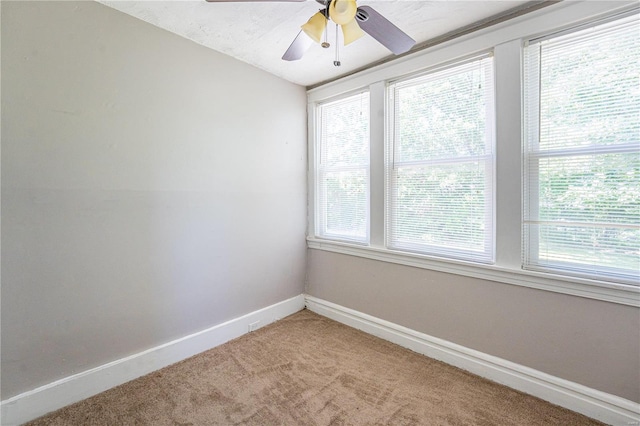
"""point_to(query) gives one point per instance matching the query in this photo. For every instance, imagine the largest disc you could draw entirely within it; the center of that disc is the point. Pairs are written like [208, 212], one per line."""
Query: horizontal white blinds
[441, 163]
[342, 180]
[582, 153]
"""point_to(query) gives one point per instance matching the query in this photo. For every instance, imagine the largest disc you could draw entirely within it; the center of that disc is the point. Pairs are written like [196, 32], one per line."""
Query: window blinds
[342, 210]
[441, 163]
[582, 153]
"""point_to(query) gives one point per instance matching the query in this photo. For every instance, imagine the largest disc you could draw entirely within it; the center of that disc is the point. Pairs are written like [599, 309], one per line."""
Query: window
[440, 163]
[582, 152]
[519, 165]
[342, 181]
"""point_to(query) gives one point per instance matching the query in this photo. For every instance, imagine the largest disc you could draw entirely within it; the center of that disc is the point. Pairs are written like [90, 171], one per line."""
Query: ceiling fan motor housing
[362, 15]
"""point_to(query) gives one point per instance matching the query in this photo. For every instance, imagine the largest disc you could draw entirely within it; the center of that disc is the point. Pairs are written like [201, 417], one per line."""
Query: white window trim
[533, 156]
[488, 157]
[506, 41]
[591, 289]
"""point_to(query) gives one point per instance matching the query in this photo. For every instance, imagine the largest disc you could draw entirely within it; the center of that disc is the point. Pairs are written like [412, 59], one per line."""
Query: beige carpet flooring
[309, 370]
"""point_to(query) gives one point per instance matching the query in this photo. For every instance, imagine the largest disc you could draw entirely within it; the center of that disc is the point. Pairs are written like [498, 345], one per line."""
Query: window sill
[591, 289]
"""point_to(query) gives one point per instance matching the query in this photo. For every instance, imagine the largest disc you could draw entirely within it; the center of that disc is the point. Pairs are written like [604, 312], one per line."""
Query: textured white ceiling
[260, 32]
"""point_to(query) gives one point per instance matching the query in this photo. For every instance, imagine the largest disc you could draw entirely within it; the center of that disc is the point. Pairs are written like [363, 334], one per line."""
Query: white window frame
[318, 168]
[488, 256]
[506, 40]
[533, 156]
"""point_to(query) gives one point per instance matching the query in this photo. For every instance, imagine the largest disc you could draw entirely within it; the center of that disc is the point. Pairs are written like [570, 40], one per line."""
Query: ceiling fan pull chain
[337, 61]
[325, 44]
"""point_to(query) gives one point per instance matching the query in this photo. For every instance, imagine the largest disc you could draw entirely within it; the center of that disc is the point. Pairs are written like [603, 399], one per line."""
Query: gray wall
[590, 342]
[151, 188]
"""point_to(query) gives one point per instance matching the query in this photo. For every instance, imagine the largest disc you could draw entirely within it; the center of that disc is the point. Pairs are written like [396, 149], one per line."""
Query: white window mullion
[389, 165]
[377, 158]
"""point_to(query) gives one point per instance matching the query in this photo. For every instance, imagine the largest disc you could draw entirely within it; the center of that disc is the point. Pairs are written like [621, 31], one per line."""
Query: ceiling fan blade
[300, 45]
[380, 28]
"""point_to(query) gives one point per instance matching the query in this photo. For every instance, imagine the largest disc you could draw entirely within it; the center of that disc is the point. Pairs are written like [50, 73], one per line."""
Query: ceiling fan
[355, 22]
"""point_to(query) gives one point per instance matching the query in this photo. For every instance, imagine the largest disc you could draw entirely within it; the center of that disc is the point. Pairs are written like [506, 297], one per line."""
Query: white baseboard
[37, 402]
[599, 405]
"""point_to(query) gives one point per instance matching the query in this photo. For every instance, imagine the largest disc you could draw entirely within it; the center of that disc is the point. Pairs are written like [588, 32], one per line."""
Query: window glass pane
[442, 115]
[346, 195]
[345, 132]
[590, 188]
[452, 197]
[589, 87]
[342, 184]
[574, 247]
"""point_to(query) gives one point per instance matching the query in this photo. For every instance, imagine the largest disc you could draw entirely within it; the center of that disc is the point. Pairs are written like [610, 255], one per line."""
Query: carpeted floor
[310, 370]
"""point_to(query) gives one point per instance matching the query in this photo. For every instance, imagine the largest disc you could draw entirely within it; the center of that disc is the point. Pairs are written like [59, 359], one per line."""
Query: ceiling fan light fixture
[342, 11]
[355, 22]
[315, 27]
[351, 32]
